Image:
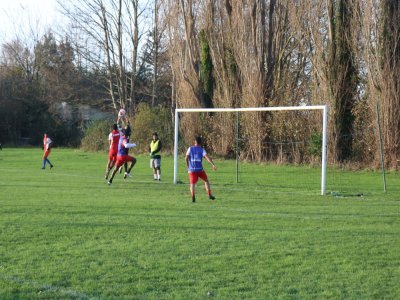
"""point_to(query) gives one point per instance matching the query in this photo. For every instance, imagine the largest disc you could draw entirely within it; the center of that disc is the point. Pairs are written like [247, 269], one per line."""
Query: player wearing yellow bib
[155, 157]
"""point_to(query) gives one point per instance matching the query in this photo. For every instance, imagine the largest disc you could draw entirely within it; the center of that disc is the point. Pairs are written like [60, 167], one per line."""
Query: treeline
[251, 53]
[33, 85]
[46, 87]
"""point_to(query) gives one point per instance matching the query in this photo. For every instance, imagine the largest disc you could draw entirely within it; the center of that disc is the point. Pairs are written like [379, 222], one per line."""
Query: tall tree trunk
[155, 53]
[121, 68]
[108, 50]
[206, 69]
[270, 54]
[390, 68]
[135, 47]
[342, 76]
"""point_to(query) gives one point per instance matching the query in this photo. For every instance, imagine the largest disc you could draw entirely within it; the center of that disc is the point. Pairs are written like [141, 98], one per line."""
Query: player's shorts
[112, 154]
[194, 176]
[155, 163]
[121, 159]
[46, 153]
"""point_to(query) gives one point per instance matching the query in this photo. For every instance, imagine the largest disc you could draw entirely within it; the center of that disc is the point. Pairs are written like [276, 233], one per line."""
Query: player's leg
[158, 173]
[112, 159]
[204, 177]
[108, 168]
[118, 164]
[51, 165]
[193, 191]
[152, 166]
[46, 160]
[112, 176]
[193, 178]
[155, 173]
[158, 169]
[133, 162]
[208, 189]
[110, 165]
[126, 163]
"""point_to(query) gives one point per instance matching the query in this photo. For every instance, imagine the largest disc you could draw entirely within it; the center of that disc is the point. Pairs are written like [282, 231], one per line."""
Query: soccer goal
[285, 117]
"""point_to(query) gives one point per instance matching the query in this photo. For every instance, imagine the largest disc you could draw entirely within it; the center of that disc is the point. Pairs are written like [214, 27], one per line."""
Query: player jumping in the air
[123, 156]
[113, 139]
[128, 138]
[194, 163]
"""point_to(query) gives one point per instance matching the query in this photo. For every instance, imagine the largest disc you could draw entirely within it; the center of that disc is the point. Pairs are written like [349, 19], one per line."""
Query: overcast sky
[20, 17]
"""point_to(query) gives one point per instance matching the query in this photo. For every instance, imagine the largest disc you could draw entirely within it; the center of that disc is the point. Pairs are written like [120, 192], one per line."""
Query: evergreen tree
[206, 68]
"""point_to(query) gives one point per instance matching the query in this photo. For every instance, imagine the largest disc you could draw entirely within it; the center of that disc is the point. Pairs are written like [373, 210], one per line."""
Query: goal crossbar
[324, 109]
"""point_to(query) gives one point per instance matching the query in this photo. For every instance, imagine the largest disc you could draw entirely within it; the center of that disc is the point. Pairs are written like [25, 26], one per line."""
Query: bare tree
[342, 75]
[328, 41]
[112, 26]
[249, 34]
[389, 61]
[291, 53]
[156, 39]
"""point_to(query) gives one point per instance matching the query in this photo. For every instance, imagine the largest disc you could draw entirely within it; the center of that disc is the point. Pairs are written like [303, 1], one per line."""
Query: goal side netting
[285, 133]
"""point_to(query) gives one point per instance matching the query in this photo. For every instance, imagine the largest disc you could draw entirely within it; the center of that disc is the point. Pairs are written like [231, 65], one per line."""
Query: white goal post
[324, 109]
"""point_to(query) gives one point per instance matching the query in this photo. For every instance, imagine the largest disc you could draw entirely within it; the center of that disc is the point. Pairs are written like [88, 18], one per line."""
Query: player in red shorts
[123, 156]
[194, 163]
[113, 140]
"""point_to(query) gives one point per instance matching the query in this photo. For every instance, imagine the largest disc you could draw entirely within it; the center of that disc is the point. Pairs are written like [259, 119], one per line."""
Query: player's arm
[129, 145]
[210, 161]
[159, 146]
[187, 158]
[187, 161]
[120, 123]
[151, 152]
[49, 142]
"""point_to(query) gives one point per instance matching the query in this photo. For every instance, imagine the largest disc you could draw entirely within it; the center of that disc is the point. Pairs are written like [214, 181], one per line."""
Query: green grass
[65, 234]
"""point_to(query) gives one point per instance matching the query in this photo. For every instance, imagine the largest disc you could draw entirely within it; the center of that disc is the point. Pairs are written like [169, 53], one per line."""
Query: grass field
[66, 234]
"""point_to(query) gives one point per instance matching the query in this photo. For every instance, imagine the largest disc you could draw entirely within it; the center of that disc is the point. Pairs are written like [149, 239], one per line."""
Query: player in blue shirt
[123, 157]
[194, 163]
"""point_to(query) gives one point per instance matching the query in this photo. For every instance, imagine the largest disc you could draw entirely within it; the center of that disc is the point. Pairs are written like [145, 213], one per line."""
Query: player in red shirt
[113, 140]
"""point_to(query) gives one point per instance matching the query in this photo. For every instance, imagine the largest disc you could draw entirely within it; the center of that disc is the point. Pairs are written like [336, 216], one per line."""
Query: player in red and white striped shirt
[47, 143]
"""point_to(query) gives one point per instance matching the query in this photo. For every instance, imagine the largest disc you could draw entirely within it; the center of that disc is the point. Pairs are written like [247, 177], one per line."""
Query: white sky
[27, 19]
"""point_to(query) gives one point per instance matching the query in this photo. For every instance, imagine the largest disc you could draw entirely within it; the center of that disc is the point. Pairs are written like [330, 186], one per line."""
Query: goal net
[283, 147]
